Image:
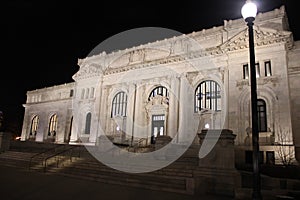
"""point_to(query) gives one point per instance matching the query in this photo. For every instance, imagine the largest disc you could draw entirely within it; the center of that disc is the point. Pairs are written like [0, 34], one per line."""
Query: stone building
[185, 83]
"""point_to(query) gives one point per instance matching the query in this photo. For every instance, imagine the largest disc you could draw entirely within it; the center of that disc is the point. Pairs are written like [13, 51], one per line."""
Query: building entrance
[158, 127]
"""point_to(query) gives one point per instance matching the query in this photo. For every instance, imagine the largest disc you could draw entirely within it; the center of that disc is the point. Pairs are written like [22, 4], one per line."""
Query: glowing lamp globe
[249, 10]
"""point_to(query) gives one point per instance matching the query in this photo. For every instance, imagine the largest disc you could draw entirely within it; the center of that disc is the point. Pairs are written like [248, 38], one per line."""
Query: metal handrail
[38, 154]
[45, 152]
[141, 140]
[57, 154]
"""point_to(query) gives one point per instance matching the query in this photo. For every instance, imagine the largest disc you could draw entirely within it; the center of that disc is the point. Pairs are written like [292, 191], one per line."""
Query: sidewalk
[21, 184]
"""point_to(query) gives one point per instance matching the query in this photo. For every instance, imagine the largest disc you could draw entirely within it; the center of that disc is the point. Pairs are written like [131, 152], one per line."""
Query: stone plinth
[222, 154]
[4, 141]
[216, 172]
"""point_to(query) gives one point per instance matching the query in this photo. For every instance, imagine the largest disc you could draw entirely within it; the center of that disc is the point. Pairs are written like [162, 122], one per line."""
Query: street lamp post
[249, 12]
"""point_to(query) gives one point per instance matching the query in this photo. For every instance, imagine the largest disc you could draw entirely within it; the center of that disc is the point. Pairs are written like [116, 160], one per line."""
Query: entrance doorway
[158, 127]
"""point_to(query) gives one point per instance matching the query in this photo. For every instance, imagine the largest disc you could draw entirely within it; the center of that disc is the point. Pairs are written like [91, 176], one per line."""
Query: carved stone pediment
[88, 71]
[262, 36]
[157, 105]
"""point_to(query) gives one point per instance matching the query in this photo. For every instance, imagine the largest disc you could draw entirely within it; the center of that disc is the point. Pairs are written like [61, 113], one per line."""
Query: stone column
[138, 114]
[186, 124]
[62, 125]
[173, 108]
[25, 126]
[97, 110]
[104, 112]
[226, 96]
[75, 126]
[130, 111]
[42, 127]
[74, 132]
[216, 172]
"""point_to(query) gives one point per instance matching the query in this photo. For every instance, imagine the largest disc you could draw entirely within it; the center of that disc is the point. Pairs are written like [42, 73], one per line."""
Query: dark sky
[41, 40]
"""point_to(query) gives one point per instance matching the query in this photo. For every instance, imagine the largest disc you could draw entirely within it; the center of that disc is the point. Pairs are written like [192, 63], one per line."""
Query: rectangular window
[92, 92]
[257, 70]
[245, 71]
[82, 94]
[71, 93]
[268, 70]
[262, 115]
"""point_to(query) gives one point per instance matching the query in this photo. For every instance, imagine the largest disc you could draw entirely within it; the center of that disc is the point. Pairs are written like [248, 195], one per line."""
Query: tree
[284, 147]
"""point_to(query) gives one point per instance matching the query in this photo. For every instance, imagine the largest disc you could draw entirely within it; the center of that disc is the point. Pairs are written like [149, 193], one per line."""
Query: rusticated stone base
[216, 172]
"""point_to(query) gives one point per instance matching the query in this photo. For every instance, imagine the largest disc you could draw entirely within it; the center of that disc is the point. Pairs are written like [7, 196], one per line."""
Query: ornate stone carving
[87, 72]
[262, 36]
[191, 76]
[240, 84]
[158, 100]
[268, 80]
[157, 105]
[137, 56]
[260, 81]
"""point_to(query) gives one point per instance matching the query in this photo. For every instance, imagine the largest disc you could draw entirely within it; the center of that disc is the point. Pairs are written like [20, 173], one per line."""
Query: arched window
[160, 90]
[34, 125]
[52, 125]
[208, 96]
[119, 105]
[262, 115]
[88, 123]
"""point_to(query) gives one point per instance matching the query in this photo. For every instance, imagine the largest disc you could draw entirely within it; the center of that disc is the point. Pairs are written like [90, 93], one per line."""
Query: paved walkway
[19, 184]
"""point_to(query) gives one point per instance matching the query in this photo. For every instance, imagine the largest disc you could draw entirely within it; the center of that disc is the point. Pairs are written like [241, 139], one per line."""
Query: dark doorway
[158, 127]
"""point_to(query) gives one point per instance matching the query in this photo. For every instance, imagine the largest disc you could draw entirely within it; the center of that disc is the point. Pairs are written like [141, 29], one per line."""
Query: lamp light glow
[206, 126]
[249, 10]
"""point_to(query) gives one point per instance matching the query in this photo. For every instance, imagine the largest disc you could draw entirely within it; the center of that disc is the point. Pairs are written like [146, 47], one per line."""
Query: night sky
[42, 40]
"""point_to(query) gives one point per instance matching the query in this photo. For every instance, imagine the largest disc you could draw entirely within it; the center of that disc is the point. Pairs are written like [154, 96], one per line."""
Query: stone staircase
[77, 162]
[177, 177]
[32, 157]
[15, 159]
[167, 179]
[182, 176]
[50, 158]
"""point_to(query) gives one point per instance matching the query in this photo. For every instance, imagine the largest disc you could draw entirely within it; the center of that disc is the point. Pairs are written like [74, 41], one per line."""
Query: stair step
[172, 178]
